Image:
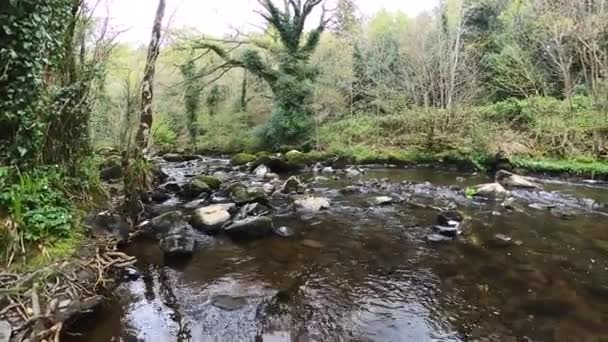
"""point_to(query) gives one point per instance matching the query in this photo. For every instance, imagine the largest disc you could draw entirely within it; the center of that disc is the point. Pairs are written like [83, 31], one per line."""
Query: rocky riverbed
[340, 253]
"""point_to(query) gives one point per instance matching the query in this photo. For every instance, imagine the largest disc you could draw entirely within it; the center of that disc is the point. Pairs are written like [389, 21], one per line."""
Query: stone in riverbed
[210, 219]
[312, 244]
[250, 228]
[501, 240]
[293, 184]
[177, 157]
[5, 331]
[195, 188]
[107, 223]
[172, 187]
[261, 171]
[163, 225]
[382, 200]
[228, 303]
[241, 195]
[449, 231]
[511, 180]
[449, 218]
[213, 182]
[490, 190]
[284, 232]
[196, 203]
[437, 238]
[178, 245]
[311, 204]
[563, 213]
[159, 195]
[252, 209]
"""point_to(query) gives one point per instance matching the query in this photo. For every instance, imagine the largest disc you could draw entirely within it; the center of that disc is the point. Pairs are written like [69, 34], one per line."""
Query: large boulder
[311, 204]
[511, 180]
[240, 195]
[250, 228]
[213, 182]
[491, 190]
[178, 245]
[210, 219]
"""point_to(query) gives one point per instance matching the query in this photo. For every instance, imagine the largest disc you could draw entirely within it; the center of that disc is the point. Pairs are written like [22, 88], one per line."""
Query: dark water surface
[363, 273]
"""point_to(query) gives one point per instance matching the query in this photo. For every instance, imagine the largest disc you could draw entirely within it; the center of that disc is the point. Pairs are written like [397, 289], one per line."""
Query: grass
[572, 166]
[49, 251]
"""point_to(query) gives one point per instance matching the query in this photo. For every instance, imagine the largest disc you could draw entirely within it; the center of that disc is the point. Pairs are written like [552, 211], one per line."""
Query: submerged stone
[311, 204]
[449, 231]
[312, 244]
[284, 232]
[437, 238]
[250, 228]
[228, 303]
[178, 245]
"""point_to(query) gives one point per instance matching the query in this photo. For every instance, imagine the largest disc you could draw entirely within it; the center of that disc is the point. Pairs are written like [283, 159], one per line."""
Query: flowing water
[359, 272]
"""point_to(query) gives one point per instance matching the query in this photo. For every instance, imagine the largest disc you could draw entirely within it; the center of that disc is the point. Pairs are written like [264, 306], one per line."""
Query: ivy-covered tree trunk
[147, 89]
[136, 166]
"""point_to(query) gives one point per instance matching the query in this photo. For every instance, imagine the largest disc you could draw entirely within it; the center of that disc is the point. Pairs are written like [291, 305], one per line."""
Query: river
[362, 272]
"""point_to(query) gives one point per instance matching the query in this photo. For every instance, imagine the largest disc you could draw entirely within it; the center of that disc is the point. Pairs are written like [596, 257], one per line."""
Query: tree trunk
[147, 89]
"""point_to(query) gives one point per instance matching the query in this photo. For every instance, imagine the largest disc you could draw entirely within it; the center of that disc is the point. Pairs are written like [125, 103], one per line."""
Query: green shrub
[35, 204]
[164, 135]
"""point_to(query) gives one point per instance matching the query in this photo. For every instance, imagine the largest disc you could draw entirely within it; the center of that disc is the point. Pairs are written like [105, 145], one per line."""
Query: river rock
[351, 189]
[5, 331]
[284, 232]
[163, 225]
[449, 231]
[178, 157]
[172, 187]
[159, 195]
[511, 180]
[250, 228]
[353, 172]
[228, 303]
[178, 245]
[437, 238]
[271, 176]
[382, 200]
[563, 213]
[501, 240]
[311, 204]
[107, 223]
[213, 182]
[328, 169]
[241, 195]
[261, 171]
[449, 218]
[490, 190]
[196, 203]
[312, 244]
[195, 188]
[252, 209]
[293, 184]
[210, 219]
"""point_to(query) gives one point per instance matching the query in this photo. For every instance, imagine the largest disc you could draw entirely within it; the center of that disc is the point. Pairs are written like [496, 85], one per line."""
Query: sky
[216, 17]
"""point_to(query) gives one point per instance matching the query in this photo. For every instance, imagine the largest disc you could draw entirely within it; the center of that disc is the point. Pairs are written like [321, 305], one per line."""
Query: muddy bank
[350, 253]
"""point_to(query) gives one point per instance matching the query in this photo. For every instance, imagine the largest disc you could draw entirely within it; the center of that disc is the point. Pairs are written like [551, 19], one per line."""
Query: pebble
[312, 244]
[5, 331]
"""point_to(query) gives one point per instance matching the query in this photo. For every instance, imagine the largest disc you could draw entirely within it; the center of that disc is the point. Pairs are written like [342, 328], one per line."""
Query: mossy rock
[213, 182]
[242, 159]
[240, 195]
[195, 188]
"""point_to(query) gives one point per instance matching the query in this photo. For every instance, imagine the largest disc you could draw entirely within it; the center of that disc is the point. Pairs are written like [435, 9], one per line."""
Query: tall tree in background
[290, 75]
[192, 97]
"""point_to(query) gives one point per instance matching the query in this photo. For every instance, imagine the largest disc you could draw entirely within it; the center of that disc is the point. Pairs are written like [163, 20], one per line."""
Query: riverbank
[565, 168]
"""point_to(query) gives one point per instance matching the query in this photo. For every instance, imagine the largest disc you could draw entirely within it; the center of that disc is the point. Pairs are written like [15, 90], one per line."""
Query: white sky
[217, 16]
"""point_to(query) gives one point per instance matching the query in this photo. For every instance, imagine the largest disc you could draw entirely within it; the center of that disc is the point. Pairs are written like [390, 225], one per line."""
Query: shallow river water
[359, 272]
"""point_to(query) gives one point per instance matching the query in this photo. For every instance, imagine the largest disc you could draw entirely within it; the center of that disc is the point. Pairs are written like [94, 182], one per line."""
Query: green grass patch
[580, 167]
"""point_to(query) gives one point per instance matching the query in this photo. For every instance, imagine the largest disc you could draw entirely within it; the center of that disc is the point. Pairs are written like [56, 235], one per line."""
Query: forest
[471, 83]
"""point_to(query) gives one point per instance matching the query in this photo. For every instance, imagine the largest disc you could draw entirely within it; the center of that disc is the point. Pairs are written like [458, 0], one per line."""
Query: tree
[290, 75]
[136, 178]
[192, 97]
